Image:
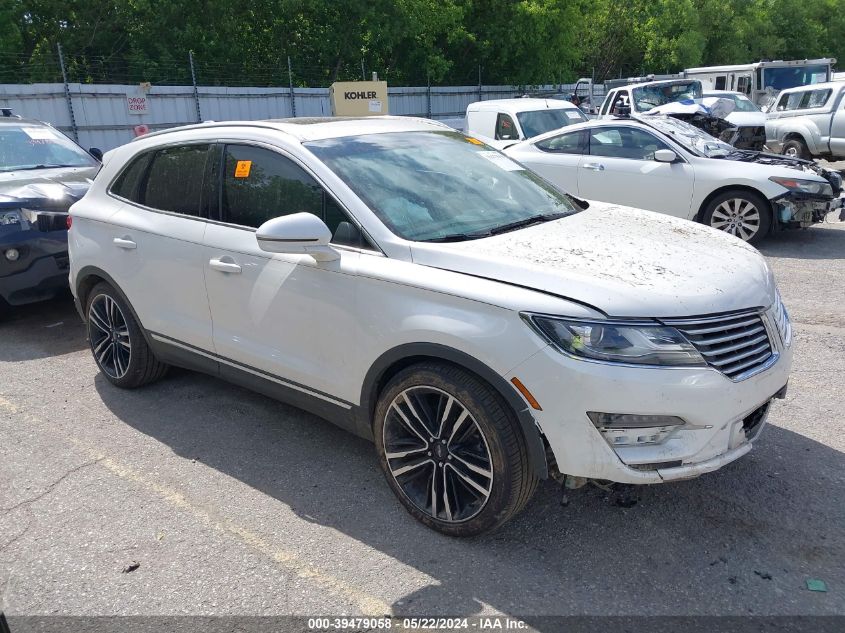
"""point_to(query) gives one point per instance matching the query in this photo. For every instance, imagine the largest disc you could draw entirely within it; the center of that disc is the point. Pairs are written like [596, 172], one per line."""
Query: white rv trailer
[761, 81]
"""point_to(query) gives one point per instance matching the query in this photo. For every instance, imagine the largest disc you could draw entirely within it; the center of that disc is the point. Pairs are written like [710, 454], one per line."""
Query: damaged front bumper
[801, 210]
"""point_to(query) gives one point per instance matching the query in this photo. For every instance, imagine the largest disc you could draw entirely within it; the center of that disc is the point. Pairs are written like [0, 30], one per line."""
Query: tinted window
[542, 121]
[572, 143]
[505, 129]
[259, 185]
[128, 183]
[720, 83]
[174, 181]
[817, 98]
[624, 142]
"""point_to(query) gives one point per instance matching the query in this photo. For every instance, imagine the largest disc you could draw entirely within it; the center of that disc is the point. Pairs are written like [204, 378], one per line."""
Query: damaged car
[42, 173]
[716, 114]
[666, 165]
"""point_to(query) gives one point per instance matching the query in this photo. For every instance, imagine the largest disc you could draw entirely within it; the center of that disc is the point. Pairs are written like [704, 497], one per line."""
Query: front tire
[741, 213]
[796, 148]
[117, 343]
[451, 450]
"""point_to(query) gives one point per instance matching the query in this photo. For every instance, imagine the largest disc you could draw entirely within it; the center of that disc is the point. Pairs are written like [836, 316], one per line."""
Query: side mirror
[665, 156]
[297, 233]
[97, 153]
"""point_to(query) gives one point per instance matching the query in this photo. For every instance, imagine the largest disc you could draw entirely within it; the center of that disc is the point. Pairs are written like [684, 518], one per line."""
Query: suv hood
[50, 189]
[625, 262]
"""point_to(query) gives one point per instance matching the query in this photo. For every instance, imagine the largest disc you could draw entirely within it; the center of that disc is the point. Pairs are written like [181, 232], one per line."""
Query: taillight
[69, 222]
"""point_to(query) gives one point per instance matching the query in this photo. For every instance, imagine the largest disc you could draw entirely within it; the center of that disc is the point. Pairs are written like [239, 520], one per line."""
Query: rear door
[837, 126]
[620, 168]
[557, 158]
[154, 241]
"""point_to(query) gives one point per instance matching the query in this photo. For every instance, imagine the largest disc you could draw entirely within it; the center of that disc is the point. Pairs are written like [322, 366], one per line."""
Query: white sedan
[669, 166]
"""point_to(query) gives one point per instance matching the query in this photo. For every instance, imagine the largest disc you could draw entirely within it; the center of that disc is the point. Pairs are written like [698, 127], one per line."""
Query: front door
[280, 317]
[620, 168]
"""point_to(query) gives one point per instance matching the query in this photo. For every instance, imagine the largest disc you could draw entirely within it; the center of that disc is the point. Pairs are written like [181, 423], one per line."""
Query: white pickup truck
[503, 122]
[809, 121]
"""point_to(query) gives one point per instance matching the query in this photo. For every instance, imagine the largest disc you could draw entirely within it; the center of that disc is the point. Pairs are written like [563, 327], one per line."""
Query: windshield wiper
[454, 237]
[40, 167]
[519, 224]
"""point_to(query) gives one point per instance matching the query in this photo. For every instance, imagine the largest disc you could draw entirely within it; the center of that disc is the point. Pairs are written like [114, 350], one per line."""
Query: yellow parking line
[369, 605]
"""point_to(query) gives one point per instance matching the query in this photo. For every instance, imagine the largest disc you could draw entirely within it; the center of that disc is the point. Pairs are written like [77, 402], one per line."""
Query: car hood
[625, 262]
[54, 189]
[747, 119]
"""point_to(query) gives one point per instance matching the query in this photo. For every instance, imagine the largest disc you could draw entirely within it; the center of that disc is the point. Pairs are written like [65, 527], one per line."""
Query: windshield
[440, 186]
[793, 76]
[37, 147]
[649, 97]
[542, 121]
[692, 138]
[743, 103]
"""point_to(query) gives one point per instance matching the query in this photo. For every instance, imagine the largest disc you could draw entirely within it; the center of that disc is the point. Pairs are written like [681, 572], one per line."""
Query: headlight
[781, 318]
[804, 186]
[632, 344]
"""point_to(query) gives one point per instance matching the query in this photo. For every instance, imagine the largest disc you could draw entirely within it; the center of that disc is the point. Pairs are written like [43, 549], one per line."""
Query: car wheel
[796, 148]
[452, 450]
[743, 214]
[117, 343]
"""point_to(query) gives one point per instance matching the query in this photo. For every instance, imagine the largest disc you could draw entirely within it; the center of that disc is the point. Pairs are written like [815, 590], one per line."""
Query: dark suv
[42, 173]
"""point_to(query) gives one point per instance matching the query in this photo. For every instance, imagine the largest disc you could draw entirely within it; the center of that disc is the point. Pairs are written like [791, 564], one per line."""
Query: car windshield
[743, 103]
[648, 97]
[27, 146]
[793, 76]
[539, 122]
[440, 186]
[694, 139]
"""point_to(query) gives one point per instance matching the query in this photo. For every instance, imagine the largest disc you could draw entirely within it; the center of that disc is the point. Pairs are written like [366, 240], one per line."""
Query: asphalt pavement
[193, 496]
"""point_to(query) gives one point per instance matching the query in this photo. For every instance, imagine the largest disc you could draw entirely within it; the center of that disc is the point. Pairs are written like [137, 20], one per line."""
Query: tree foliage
[405, 41]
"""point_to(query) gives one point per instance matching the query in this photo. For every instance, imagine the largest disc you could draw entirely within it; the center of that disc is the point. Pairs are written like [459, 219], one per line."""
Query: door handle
[224, 267]
[124, 242]
[593, 166]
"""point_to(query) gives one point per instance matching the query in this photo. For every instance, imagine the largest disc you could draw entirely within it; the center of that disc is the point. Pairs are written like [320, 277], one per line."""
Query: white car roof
[317, 128]
[716, 93]
[512, 106]
[821, 86]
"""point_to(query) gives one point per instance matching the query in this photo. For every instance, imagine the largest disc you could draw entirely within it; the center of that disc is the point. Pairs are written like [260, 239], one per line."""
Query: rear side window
[817, 98]
[174, 181]
[505, 128]
[128, 183]
[572, 143]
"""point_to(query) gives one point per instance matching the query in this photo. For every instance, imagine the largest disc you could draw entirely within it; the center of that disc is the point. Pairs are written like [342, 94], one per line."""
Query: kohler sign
[359, 98]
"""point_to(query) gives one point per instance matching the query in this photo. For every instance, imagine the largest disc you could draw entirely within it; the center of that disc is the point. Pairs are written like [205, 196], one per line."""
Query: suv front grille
[735, 344]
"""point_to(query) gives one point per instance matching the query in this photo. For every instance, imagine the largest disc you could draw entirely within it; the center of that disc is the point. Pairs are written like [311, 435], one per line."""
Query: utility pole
[67, 95]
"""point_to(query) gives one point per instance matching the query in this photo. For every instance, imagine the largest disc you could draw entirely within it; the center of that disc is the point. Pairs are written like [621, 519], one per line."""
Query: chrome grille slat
[721, 362]
[724, 339]
[720, 328]
[734, 344]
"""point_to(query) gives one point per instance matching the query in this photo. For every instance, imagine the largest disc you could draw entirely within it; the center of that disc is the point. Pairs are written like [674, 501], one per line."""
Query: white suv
[417, 288]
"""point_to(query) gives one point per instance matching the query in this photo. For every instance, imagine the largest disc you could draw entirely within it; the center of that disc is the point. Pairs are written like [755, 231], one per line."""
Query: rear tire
[741, 213]
[117, 342]
[452, 450]
[796, 148]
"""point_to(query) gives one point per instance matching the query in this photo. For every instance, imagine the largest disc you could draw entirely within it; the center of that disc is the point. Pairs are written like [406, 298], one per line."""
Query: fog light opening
[629, 429]
[12, 254]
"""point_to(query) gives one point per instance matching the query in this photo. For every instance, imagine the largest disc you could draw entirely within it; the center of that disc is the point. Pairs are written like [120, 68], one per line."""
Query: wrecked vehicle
[663, 164]
[684, 100]
[42, 173]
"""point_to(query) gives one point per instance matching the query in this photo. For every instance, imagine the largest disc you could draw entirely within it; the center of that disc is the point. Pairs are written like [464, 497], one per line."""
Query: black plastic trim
[530, 430]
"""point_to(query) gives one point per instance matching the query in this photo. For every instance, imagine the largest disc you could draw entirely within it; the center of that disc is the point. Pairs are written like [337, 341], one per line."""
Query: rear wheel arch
[395, 360]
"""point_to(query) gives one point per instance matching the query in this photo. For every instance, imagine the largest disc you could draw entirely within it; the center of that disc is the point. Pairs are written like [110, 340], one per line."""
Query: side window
[127, 184]
[793, 101]
[743, 84]
[572, 143]
[605, 107]
[720, 83]
[818, 98]
[782, 103]
[174, 181]
[260, 184]
[624, 142]
[505, 128]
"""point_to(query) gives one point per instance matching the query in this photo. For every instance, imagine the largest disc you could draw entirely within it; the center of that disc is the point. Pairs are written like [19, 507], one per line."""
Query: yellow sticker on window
[242, 168]
[474, 141]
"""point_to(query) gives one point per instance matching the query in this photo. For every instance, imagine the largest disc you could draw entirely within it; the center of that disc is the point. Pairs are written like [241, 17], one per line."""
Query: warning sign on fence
[138, 104]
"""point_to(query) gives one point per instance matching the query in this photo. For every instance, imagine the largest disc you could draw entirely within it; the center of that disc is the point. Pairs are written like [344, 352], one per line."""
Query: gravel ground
[234, 504]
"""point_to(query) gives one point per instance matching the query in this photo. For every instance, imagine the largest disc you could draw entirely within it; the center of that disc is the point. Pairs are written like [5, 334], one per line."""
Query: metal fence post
[194, 81]
[67, 95]
[428, 97]
[480, 95]
[290, 86]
